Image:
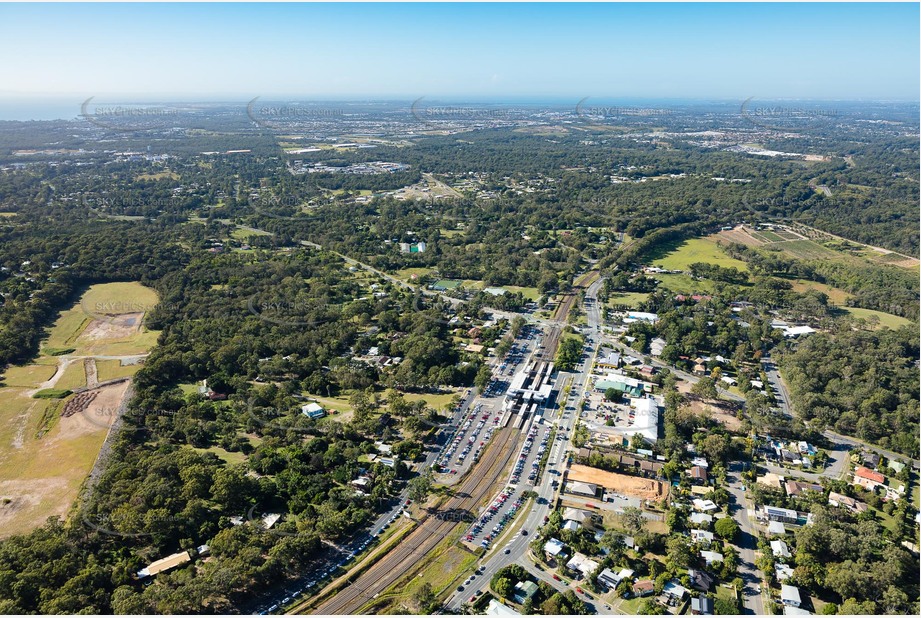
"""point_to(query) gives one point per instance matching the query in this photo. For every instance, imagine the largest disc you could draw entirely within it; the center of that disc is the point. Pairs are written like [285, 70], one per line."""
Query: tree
[678, 552]
[633, 520]
[727, 528]
[503, 587]
[425, 597]
[421, 486]
[483, 377]
[705, 388]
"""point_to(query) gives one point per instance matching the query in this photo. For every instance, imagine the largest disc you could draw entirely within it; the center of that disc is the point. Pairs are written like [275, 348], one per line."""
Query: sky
[192, 52]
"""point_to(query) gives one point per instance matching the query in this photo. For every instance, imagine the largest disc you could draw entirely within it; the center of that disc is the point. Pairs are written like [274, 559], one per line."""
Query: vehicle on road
[557, 577]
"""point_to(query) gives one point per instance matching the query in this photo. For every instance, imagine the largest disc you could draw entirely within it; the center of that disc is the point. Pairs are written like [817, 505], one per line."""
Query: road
[747, 542]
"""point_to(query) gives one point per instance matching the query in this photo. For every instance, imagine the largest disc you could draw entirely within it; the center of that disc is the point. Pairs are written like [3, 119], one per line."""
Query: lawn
[407, 273]
[836, 296]
[241, 234]
[529, 293]
[29, 376]
[437, 401]
[111, 369]
[630, 299]
[886, 320]
[73, 377]
[685, 284]
[679, 255]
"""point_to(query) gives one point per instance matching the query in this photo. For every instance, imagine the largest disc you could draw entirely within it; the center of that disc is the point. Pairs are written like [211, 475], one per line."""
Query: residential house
[775, 513]
[780, 549]
[871, 460]
[577, 516]
[789, 610]
[582, 564]
[783, 571]
[524, 591]
[704, 505]
[554, 548]
[495, 608]
[711, 557]
[611, 579]
[777, 528]
[789, 595]
[796, 488]
[698, 475]
[702, 606]
[581, 489]
[701, 536]
[868, 479]
[674, 590]
[700, 580]
[770, 480]
[700, 518]
[313, 410]
[644, 588]
[851, 504]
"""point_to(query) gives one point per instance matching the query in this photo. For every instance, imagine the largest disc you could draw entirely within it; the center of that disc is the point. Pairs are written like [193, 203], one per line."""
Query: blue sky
[239, 51]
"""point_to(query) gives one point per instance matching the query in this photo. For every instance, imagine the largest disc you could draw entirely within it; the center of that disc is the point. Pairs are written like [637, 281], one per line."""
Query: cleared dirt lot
[635, 486]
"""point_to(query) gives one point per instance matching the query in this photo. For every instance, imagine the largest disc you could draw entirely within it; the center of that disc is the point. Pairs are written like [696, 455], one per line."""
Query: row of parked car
[491, 512]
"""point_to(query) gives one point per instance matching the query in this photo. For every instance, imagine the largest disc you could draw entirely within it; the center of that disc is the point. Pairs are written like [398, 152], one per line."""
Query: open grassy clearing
[685, 284]
[407, 273]
[836, 296]
[885, 319]
[74, 376]
[679, 255]
[436, 401]
[111, 369]
[630, 299]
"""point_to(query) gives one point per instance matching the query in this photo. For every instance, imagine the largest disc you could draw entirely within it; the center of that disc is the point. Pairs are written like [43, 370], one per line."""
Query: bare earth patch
[635, 486]
[114, 327]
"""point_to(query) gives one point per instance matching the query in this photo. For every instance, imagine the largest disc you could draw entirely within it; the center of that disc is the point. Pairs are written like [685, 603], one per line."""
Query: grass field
[835, 296]
[885, 319]
[630, 299]
[407, 273]
[449, 284]
[678, 255]
[241, 234]
[74, 376]
[111, 369]
[529, 293]
[685, 284]
[44, 457]
[437, 401]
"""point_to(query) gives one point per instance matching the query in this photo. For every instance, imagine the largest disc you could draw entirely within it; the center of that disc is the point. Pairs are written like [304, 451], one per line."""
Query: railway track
[431, 531]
